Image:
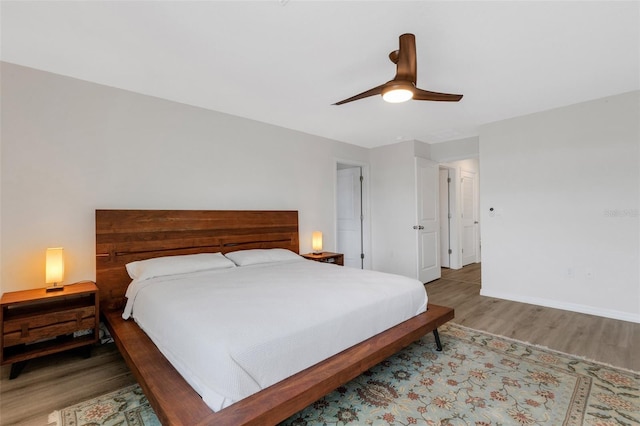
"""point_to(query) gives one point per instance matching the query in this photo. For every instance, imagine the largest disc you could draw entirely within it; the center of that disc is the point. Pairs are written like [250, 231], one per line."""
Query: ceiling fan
[403, 86]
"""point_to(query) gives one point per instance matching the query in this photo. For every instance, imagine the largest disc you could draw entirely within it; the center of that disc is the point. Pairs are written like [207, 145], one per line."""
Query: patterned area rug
[126, 406]
[479, 379]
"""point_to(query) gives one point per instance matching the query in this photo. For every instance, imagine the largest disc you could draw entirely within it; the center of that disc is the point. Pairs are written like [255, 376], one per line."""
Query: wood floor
[61, 380]
[602, 339]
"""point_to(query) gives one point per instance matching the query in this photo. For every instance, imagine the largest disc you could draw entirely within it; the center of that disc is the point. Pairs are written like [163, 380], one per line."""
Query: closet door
[427, 220]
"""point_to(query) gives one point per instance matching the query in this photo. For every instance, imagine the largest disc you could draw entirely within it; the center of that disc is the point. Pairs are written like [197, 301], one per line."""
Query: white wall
[393, 206]
[459, 149]
[70, 147]
[565, 188]
[393, 201]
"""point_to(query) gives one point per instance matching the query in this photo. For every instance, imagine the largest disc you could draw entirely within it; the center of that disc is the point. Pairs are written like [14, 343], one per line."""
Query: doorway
[459, 210]
[445, 216]
[469, 217]
[352, 222]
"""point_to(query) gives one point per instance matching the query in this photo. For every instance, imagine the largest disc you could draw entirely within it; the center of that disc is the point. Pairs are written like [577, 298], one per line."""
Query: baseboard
[573, 307]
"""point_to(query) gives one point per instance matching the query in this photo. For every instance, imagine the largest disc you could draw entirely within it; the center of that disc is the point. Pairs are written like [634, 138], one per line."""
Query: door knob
[415, 227]
[418, 227]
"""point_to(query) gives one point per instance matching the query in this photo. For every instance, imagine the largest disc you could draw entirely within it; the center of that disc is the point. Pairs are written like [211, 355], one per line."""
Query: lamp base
[55, 288]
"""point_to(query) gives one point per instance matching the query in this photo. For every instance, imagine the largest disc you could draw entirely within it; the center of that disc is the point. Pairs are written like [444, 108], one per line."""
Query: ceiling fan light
[398, 95]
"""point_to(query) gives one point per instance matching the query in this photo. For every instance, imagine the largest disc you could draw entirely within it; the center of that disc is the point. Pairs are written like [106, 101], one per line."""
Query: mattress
[233, 332]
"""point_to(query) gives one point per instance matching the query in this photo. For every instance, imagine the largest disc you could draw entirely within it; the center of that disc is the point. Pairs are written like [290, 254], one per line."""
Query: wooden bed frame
[123, 236]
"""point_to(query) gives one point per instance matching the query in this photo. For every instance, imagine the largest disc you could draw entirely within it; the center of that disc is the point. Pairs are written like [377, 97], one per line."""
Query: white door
[469, 218]
[349, 212]
[428, 226]
[445, 222]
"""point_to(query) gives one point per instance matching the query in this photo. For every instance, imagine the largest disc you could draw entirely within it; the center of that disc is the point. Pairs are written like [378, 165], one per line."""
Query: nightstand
[36, 322]
[326, 257]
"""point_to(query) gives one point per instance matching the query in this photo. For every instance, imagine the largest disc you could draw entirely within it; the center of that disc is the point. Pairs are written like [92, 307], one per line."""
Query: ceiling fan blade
[425, 95]
[405, 59]
[366, 94]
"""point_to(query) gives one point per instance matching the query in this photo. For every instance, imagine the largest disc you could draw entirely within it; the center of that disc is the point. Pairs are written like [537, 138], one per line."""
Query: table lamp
[55, 268]
[316, 242]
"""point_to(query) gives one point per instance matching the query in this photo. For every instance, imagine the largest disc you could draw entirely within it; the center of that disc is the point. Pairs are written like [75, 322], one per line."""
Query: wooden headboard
[123, 236]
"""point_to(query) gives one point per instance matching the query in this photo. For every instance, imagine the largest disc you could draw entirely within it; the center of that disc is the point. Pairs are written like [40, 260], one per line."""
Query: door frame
[444, 184]
[366, 210]
[455, 236]
[476, 214]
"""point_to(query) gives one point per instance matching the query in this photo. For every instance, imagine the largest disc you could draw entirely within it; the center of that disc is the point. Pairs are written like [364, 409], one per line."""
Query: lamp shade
[55, 265]
[316, 241]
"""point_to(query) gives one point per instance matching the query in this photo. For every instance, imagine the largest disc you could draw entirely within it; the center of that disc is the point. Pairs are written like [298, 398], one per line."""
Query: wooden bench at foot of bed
[176, 403]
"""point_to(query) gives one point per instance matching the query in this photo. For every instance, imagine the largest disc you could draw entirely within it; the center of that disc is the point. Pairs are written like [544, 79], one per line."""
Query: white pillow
[254, 256]
[171, 265]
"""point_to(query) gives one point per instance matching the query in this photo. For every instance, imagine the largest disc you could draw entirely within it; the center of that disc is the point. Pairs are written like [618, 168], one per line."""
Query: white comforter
[233, 332]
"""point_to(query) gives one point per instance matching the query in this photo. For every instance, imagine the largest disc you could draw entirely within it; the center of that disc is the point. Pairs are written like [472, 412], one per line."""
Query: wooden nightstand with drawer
[35, 322]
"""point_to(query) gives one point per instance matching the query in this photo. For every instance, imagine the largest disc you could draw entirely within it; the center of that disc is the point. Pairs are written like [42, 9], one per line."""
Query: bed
[125, 236]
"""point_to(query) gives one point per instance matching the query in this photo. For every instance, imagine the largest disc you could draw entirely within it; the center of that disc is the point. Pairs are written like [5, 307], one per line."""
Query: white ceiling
[286, 62]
